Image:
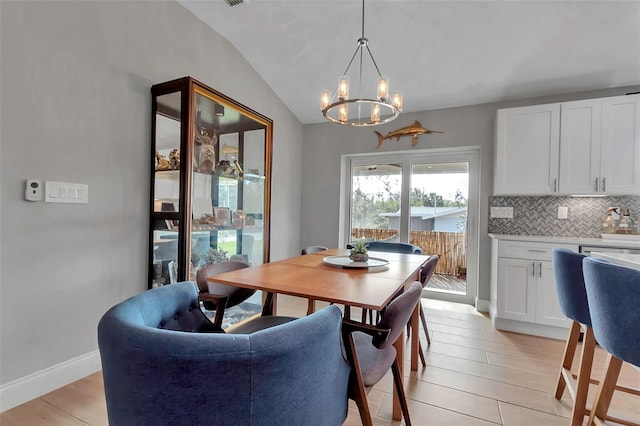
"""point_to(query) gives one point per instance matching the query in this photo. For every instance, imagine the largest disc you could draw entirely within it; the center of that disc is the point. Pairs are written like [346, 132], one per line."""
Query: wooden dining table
[311, 276]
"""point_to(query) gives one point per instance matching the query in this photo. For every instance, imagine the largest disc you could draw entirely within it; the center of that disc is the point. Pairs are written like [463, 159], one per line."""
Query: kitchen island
[624, 259]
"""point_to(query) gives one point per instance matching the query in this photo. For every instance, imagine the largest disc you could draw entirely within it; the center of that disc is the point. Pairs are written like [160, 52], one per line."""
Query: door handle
[555, 184]
[533, 269]
[604, 188]
[540, 271]
[596, 186]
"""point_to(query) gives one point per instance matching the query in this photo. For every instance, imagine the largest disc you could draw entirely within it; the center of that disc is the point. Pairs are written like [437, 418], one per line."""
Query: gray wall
[463, 126]
[75, 83]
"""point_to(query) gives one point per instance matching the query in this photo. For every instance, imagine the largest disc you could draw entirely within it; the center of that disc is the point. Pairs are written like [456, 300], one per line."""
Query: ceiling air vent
[234, 2]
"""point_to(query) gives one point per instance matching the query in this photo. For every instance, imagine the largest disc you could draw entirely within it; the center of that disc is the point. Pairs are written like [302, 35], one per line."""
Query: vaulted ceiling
[439, 53]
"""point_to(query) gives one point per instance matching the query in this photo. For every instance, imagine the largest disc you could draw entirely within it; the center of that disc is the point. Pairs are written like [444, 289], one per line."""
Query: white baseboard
[483, 305]
[542, 330]
[37, 384]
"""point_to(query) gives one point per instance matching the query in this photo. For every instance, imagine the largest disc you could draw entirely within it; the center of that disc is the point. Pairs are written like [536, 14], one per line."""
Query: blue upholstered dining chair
[572, 298]
[165, 363]
[393, 247]
[371, 352]
[613, 293]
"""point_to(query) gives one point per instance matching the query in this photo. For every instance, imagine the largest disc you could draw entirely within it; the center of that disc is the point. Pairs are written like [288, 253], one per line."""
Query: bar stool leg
[584, 377]
[567, 359]
[607, 385]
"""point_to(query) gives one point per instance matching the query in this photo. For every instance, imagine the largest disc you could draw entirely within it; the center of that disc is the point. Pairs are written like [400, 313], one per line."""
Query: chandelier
[361, 111]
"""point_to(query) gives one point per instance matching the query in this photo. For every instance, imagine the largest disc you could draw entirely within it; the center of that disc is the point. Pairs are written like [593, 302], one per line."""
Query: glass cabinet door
[210, 181]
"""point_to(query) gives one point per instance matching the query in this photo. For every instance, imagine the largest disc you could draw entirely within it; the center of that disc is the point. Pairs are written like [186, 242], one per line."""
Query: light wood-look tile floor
[475, 375]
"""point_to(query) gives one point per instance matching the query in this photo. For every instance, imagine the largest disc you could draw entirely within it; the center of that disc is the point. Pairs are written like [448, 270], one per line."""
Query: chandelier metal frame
[383, 109]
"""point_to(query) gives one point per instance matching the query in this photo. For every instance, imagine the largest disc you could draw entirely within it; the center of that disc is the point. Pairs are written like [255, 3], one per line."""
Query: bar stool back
[613, 295]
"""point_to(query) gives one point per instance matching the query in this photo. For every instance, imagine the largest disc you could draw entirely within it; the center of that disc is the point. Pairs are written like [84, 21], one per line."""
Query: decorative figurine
[174, 159]
[413, 130]
[162, 163]
[203, 135]
[206, 159]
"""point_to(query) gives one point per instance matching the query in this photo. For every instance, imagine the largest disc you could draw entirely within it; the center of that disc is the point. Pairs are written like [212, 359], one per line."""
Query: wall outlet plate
[563, 212]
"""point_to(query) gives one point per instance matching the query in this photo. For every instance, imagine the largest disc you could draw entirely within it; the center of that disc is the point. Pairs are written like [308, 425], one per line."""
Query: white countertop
[597, 242]
[624, 259]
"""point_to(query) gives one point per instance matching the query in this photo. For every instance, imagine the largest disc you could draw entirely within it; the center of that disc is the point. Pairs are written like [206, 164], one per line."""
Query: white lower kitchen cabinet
[523, 292]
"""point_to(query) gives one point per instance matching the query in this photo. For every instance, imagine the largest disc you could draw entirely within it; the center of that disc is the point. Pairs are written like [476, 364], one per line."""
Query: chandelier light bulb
[383, 88]
[344, 112]
[375, 113]
[343, 87]
[325, 99]
[397, 100]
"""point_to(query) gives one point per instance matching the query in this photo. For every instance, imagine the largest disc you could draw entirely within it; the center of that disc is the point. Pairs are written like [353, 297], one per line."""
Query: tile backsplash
[539, 215]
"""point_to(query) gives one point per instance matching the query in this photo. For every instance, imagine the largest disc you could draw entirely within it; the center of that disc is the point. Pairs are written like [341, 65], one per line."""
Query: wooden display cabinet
[210, 181]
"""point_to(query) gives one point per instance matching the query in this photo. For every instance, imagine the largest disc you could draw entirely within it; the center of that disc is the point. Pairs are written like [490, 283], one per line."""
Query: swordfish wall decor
[414, 130]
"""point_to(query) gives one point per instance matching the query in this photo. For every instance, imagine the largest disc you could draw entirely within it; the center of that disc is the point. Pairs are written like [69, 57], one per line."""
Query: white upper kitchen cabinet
[527, 150]
[600, 146]
[620, 151]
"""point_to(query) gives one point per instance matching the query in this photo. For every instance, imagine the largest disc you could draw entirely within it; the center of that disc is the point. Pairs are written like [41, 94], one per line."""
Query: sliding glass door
[425, 198]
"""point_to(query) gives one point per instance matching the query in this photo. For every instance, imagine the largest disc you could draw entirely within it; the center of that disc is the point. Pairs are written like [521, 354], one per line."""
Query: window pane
[375, 202]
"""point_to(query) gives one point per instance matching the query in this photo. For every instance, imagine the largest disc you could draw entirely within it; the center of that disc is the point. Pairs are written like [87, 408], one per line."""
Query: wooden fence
[450, 246]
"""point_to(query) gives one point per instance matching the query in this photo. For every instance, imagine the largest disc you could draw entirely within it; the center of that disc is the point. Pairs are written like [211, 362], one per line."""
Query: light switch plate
[69, 193]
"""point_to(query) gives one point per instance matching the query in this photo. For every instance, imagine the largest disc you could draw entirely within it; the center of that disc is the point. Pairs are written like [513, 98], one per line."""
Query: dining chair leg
[567, 358]
[269, 304]
[607, 385]
[397, 378]
[356, 382]
[584, 377]
[220, 306]
[421, 353]
[424, 324]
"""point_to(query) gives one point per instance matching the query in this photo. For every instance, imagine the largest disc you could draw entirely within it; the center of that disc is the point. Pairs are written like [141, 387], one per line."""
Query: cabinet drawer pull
[533, 269]
[596, 187]
[604, 187]
[536, 251]
[555, 185]
[540, 271]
